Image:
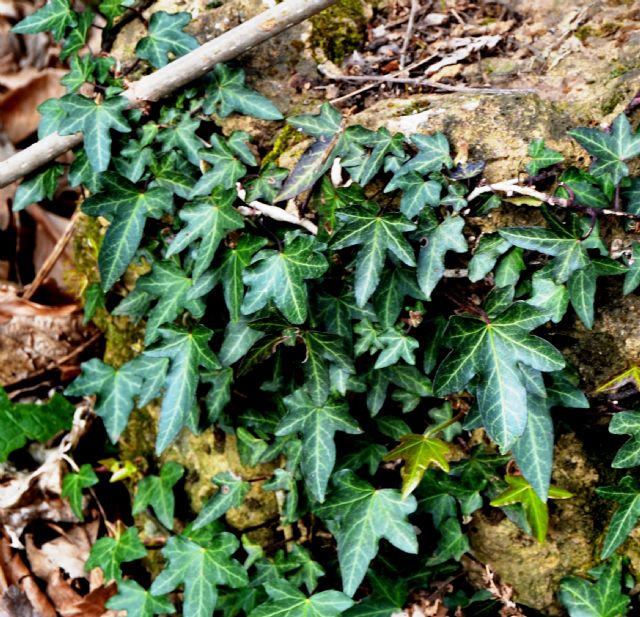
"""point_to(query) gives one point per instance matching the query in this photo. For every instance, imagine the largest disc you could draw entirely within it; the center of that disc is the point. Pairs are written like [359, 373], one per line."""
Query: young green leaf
[95, 120]
[21, 422]
[541, 157]
[280, 276]
[603, 598]
[207, 219]
[375, 234]
[317, 426]
[166, 37]
[200, 569]
[535, 510]
[73, 484]
[157, 492]
[232, 490]
[287, 601]
[227, 93]
[609, 149]
[109, 553]
[138, 602]
[128, 208]
[55, 17]
[418, 452]
[362, 516]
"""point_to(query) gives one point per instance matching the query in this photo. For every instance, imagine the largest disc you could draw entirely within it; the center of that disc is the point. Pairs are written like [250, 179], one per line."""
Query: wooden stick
[178, 73]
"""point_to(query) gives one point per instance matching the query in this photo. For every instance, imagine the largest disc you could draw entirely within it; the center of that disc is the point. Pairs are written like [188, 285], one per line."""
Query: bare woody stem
[178, 73]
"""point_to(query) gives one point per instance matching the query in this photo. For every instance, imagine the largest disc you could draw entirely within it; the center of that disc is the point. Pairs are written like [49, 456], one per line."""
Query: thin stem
[409, 32]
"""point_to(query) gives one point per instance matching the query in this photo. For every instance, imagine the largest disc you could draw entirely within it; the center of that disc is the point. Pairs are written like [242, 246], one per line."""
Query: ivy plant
[352, 364]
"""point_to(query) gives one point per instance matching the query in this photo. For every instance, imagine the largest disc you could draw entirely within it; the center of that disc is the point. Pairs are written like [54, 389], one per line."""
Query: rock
[493, 128]
[535, 570]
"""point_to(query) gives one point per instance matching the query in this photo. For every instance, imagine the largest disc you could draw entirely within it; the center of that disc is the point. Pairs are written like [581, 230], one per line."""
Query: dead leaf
[24, 92]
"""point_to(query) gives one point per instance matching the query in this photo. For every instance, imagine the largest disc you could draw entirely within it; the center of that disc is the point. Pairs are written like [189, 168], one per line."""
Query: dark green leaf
[138, 602]
[55, 17]
[37, 188]
[109, 553]
[166, 37]
[157, 492]
[232, 490]
[541, 157]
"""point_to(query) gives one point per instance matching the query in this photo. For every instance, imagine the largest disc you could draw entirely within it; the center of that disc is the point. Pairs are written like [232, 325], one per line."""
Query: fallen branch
[511, 187]
[178, 73]
[418, 81]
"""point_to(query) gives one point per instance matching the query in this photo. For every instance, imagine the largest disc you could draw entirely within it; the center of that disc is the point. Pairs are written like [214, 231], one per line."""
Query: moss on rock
[339, 29]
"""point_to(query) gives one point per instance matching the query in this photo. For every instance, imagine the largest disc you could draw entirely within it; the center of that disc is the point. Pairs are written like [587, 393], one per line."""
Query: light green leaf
[395, 345]
[582, 292]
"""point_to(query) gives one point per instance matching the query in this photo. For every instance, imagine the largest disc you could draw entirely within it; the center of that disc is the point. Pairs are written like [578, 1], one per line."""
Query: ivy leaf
[445, 237]
[317, 426]
[127, 208]
[157, 491]
[418, 452]
[362, 516]
[227, 93]
[609, 150]
[383, 143]
[535, 510]
[376, 234]
[95, 120]
[395, 345]
[138, 602]
[287, 601]
[453, 543]
[433, 154]
[603, 598]
[279, 276]
[55, 17]
[109, 553]
[77, 38]
[20, 422]
[624, 519]
[570, 251]
[582, 293]
[489, 248]
[549, 296]
[327, 123]
[627, 423]
[234, 262]
[492, 350]
[416, 193]
[200, 569]
[209, 220]
[166, 37]
[232, 490]
[226, 164]
[533, 451]
[541, 157]
[187, 350]
[37, 188]
[73, 484]
[267, 184]
[632, 277]
[182, 136]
